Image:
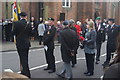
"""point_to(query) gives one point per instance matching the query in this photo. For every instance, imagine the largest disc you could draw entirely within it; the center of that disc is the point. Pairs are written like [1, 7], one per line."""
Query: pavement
[10, 46]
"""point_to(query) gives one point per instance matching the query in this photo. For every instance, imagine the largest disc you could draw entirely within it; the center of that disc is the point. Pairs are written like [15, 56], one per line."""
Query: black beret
[111, 19]
[23, 14]
[52, 19]
[66, 22]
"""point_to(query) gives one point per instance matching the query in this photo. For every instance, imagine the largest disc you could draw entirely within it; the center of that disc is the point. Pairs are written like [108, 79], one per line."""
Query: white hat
[58, 22]
[78, 23]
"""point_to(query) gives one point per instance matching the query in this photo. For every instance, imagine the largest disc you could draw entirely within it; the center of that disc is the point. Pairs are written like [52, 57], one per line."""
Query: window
[66, 3]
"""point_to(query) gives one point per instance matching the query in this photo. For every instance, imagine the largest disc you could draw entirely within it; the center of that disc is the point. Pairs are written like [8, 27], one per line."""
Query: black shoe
[69, 79]
[58, 41]
[86, 72]
[105, 64]
[97, 62]
[89, 74]
[29, 76]
[73, 65]
[46, 69]
[60, 75]
[39, 43]
[51, 71]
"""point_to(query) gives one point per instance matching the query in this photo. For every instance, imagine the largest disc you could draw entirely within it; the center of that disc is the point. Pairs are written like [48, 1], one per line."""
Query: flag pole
[13, 20]
[18, 19]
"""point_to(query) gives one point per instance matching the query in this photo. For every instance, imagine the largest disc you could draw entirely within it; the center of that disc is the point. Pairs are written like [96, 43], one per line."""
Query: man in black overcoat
[22, 31]
[69, 45]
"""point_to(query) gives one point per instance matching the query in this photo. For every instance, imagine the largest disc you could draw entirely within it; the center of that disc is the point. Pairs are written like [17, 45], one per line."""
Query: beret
[52, 19]
[111, 19]
[66, 22]
[23, 14]
[98, 18]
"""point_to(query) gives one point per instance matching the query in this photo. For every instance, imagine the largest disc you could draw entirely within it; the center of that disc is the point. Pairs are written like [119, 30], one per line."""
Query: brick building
[60, 12]
[66, 10]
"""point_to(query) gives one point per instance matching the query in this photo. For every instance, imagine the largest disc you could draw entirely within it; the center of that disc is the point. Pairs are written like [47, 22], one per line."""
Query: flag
[15, 12]
[19, 11]
[15, 16]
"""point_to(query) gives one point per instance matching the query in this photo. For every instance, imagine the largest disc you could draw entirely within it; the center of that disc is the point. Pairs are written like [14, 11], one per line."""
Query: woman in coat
[78, 27]
[89, 48]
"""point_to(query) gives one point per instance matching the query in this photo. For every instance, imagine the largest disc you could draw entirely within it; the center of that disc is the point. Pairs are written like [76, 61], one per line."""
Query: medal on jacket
[112, 30]
[101, 31]
[48, 32]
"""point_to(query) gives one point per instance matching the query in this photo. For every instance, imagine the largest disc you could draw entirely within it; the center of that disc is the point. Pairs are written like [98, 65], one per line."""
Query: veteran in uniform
[100, 38]
[112, 32]
[48, 41]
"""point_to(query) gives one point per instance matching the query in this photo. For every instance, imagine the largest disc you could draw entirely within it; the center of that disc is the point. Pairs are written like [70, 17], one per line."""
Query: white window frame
[69, 4]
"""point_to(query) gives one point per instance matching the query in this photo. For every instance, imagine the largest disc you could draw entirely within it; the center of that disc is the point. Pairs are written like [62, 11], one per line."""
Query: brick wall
[77, 11]
[117, 15]
[34, 10]
[0, 9]
[85, 10]
[3, 11]
[55, 8]
[25, 7]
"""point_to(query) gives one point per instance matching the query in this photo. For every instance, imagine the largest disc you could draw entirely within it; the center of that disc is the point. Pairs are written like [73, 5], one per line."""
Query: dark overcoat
[69, 42]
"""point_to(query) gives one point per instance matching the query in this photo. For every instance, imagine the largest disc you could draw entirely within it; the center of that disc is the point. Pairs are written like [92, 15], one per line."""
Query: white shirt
[41, 29]
[99, 26]
[112, 26]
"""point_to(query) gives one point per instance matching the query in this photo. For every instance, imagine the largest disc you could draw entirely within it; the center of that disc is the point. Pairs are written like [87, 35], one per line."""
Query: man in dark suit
[100, 38]
[48, 41]
[69, 45]
[112, 32]
[22, 30]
